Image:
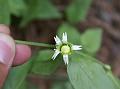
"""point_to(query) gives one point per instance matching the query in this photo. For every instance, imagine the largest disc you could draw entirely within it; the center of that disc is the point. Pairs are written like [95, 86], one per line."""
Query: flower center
[65, 49]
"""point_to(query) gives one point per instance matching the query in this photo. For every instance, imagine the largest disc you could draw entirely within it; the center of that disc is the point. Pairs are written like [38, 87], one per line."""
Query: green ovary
[65, 49]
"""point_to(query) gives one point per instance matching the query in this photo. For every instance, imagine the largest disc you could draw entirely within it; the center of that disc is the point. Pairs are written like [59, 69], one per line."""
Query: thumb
[7, 53]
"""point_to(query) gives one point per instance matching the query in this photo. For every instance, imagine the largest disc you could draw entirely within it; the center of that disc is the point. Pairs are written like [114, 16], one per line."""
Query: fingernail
[5, 53]
[7, 49]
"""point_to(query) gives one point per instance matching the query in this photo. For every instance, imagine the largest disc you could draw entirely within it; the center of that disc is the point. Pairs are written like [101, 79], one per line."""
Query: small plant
[64, 47]
[83, 69]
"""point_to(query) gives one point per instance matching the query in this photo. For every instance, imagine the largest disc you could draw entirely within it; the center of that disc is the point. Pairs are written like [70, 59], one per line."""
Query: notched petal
[57, 40]
[64, 37]
[65, 58]
[55, 54]
[76, 47]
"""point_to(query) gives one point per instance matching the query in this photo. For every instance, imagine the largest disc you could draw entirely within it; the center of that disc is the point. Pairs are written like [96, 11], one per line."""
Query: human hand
[10, 53]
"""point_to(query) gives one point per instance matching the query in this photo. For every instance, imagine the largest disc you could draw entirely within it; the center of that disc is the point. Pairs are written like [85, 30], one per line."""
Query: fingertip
[7, 53]
[23, 53]
[4, 29]
[7, 49]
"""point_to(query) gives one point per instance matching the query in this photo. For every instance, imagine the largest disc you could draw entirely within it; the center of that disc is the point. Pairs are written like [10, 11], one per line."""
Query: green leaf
[4, 12]
[44, 65]
[8, 7]
[23, 85]
[44, 68]
[44, 55]
[40, 9]
[84, 73]
[17, 7]
[91, 40]
[73, 34]
[113, 78]
[17, 76]
[77, 10]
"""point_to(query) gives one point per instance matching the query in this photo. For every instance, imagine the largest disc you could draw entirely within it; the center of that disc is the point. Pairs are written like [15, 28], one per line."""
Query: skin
[11, 54]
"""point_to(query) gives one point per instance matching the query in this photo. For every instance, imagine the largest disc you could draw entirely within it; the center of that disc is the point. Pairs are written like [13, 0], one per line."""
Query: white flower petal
[55, 54]
[57, 40]
[76, 47]
[64, 37]
[65, 58]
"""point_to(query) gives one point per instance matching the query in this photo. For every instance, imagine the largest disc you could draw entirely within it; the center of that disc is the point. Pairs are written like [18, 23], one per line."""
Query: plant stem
[34, 43]
[113, 79]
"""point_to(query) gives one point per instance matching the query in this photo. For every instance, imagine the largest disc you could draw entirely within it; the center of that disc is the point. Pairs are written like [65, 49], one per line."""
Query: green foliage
[91, 40]
[28, 9]
[77, 10]
[44, 55]
[88, 74]
[23, 85]
[84, 71]
[44, 68]
[73, 34]
[17, 7]
[17, 76]
[43, 64]
[4, 12]
[8, 7]
[40, 9]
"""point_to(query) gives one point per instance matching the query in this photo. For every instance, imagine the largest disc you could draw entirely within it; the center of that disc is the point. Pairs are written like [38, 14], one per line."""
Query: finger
[4, 29]
[7, 53]
[23, 53]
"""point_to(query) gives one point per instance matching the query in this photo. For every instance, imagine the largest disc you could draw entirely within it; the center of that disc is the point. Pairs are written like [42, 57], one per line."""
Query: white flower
[64, 47]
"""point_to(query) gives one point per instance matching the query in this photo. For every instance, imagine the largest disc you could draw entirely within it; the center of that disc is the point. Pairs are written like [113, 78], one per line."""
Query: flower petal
[57, 40]
[76, 47]
[65, 58]
[64, 37]
[55, 54]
